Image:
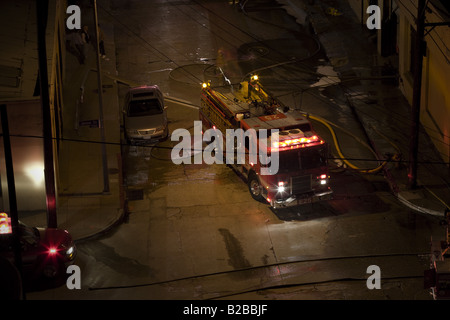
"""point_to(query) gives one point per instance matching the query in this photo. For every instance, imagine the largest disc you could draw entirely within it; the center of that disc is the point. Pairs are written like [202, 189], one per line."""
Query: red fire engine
[302, 175]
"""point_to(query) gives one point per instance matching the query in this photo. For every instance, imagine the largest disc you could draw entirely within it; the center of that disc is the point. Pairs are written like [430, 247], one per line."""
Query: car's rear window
[139, 108]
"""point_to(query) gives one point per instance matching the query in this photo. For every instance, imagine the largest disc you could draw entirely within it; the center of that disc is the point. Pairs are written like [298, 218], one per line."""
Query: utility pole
[100, 103]
[417, 94]
[13, 213]
[419, 51]
[49, 171]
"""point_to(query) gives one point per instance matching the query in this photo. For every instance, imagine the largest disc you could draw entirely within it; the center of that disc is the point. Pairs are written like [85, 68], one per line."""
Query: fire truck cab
[302, 173]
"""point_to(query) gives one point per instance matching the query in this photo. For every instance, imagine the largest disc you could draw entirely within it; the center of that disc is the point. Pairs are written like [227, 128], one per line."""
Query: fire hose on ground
[329, 126]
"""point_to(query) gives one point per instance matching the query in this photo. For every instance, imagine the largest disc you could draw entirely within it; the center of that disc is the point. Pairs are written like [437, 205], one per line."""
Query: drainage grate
[135, 194]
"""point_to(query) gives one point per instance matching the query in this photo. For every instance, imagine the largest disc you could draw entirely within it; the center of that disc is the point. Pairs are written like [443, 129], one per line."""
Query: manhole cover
[259, 51]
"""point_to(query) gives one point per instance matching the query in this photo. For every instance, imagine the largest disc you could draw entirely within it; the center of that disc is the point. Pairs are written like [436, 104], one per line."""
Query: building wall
[18, 55]
[20, 51]
[435, 108]
[435, 103]
[25, 118]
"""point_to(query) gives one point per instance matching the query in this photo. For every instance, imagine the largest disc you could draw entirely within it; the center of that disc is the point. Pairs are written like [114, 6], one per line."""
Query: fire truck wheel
[255, 188]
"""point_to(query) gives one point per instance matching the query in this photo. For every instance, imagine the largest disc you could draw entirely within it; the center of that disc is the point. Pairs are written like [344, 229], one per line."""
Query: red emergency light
[297, 142]
[5, 224]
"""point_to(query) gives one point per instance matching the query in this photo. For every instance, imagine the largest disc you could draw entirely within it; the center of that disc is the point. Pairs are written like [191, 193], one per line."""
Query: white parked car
[145, 116]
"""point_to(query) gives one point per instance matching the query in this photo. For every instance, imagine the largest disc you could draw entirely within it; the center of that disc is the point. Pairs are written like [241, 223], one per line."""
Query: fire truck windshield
[303, 159]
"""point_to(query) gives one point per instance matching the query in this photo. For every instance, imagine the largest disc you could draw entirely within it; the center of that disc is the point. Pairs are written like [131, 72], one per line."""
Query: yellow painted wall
[435, 103]
[435, 108]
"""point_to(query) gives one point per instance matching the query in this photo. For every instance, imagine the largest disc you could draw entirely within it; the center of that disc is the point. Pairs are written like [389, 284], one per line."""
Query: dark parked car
[46, 252]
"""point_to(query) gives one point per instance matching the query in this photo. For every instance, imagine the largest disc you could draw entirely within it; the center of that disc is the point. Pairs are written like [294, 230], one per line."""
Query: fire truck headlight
[323, 179]
[281, 187]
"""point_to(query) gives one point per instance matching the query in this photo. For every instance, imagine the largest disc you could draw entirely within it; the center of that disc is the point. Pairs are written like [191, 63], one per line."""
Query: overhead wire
[144, 41]
[234, 35]
[322, 120]
[395, 157]
[157, 146]
[266, 266]
[400, 118]
[330, 82]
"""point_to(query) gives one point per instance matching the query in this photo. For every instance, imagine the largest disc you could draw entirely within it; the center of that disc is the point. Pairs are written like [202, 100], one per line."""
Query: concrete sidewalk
[377, 103]
[84, 208]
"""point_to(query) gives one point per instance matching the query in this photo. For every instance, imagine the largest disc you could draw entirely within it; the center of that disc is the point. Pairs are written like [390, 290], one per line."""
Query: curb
[420, 209]
[115, 222]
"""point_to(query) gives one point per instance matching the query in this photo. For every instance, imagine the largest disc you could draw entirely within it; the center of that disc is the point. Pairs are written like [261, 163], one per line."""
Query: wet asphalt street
[193, 231]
